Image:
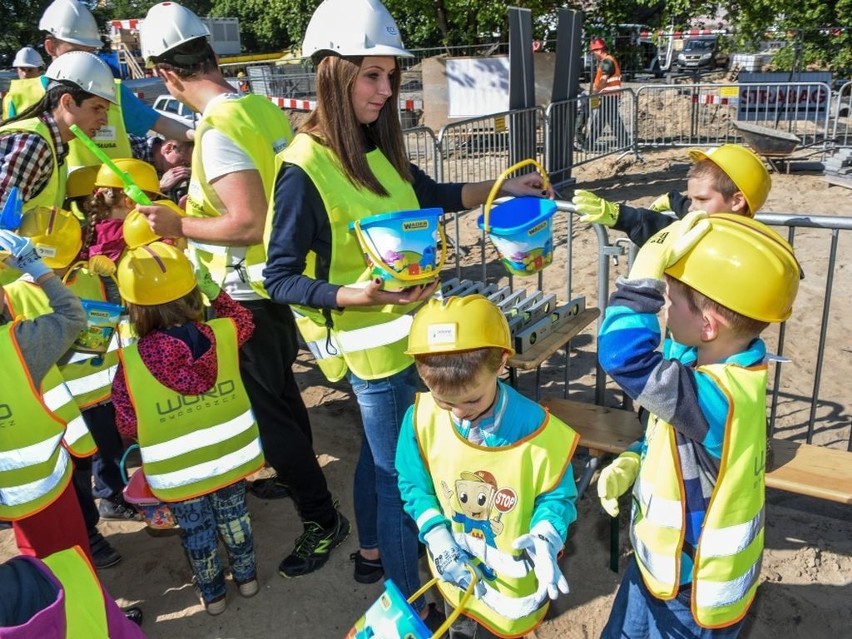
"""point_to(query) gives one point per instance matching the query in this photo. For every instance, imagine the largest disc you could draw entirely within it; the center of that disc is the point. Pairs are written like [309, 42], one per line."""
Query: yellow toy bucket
[392, 617]
[521, 229]
[402, 247]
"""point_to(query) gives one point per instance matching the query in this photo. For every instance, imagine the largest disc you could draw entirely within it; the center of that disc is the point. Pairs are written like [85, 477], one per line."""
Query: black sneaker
[269, 488]
[117, 509]
[367, 571]
[434, 619]
[134, 614]
[103, 554]
[313, 547]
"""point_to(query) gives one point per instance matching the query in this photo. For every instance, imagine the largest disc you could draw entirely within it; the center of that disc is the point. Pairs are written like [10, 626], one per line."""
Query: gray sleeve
[45, 339]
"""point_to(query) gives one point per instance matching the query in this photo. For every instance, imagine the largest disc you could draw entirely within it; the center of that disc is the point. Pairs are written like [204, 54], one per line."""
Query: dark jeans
[467, 628]
[266, 362]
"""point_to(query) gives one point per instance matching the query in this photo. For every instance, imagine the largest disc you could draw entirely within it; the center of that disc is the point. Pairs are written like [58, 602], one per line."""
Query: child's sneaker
[117, 509]
[313, 547]
[248, 588]
[367, 571]
[103, 554]
[216, 606]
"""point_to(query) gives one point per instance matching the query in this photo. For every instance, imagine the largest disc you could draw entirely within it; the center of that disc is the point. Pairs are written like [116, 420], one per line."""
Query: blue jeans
[637, 614]
[202, 521]
[382, 523]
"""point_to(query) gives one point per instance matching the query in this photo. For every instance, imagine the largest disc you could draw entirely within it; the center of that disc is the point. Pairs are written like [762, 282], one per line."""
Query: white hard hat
[353, 28]
[169, 25]
[27, 58]
[86, 70]
[70, 21]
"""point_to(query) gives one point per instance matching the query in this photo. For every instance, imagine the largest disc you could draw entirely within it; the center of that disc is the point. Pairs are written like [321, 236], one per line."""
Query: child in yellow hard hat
[698, 500]
[725, 179]
[178, 390]
[484, 472]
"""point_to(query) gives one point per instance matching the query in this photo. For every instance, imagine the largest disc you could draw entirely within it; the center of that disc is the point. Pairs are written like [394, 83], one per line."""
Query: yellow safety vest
[193, 445]
[728, 556]
[85, 613]
[53, 193]
[34, 466]
[371, 341]
[261, 130]
[111, 138]
[507, 480]
[22, 95]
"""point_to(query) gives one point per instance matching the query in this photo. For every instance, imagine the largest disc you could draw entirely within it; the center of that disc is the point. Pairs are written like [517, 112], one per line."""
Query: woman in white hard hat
[349, 162]
[34, 144]
[28, 63]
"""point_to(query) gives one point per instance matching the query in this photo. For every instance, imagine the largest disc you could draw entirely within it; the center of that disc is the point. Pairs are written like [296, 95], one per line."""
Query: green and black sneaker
[314, 546]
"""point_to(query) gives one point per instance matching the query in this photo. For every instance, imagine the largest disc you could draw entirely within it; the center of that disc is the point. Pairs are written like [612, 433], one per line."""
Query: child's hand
[101, 265]
[543, 544]
[668, 246]
[616, 479]
[205, 282]
[23, 255]
[452, 563]
[661, 205]
[594, 209]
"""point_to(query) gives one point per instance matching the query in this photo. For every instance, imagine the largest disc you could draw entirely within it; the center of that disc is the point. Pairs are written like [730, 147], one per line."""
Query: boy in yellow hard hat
[698, 499]
[484, 472]
[725, 179]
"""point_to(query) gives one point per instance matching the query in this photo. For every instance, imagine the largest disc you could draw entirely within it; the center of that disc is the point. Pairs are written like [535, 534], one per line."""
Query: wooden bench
[804, 469]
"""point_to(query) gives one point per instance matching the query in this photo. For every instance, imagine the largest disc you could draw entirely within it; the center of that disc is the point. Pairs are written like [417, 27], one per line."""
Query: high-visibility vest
[726, 565]
[34, 466]
[53, 193]
[23, 93]
[85, 613]
[193, 445]
[613, 82]
[261, 130]
[371, 341]
[111, 138]
[506, 481]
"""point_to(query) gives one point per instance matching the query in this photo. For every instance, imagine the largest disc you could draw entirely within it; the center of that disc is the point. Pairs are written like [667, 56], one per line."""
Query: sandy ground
[807, 572]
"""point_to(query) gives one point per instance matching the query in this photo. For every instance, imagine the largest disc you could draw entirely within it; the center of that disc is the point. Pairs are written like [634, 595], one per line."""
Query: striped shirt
[26, 160]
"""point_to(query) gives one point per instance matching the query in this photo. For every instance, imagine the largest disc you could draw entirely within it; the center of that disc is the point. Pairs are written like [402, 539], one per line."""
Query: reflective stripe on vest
[85, 613]
[58, 399]
[261, 130]
[53, 192]
[344, 204]
[730, 547]
[111, 138]
[193, 445]
[514, 602]
[33, 492]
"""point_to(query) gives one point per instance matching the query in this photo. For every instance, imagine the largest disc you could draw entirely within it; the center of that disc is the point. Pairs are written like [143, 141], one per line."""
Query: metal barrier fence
[841, 134]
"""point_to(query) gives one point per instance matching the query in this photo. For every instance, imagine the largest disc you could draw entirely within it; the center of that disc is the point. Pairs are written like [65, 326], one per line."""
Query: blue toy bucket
[402, 247]
[521, 229]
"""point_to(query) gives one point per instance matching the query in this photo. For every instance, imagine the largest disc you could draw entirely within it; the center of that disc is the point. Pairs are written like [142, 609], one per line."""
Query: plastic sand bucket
[402, 247]
[101, 321]
[137, 492]
[392, 617]
[521, 229]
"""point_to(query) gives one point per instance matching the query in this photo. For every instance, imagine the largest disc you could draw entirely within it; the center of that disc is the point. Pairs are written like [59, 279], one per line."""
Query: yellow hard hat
[137, 231]
[458, 324]
[743, 265]
[743, 167]
[81, 181]
[155, 273]
[56, 235]
[143, 174]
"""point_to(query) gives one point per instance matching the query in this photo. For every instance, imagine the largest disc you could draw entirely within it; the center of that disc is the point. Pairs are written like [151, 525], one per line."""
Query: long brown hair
[146, 319]
[334, 123]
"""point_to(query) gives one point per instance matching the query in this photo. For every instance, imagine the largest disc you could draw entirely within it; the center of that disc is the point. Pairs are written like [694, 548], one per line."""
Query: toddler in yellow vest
[178, 391]
[484, 472]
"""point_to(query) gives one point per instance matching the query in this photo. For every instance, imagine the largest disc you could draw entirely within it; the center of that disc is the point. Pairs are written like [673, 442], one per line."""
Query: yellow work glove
[668, 246]
[593, 209]
[661, 204]
[205, 282]
[616, 479]
[101, 265]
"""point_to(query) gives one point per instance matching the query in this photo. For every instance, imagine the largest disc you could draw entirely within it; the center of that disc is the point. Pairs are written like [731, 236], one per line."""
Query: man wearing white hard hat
[233, 169]
[69, 26]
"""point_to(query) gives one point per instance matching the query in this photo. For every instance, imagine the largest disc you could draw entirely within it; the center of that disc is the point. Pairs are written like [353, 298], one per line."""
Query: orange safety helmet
[597, 44]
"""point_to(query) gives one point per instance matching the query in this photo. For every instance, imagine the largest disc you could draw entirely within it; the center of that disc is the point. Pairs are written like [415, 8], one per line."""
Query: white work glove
[616, 479]
[543, 544]
[669, 245]
[23, 255]
[451, 561]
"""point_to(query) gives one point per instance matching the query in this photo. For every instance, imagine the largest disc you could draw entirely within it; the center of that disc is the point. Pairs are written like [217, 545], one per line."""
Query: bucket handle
[444, 627]
[405, 277]
[502, 178]
[122, 465]
[83, 264]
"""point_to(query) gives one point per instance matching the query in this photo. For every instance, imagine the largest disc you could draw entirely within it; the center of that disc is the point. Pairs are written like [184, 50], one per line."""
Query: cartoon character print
[475, 497]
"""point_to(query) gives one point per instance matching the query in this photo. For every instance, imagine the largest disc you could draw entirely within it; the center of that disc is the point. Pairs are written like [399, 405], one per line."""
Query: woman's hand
[373, 295]
[527, 184]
